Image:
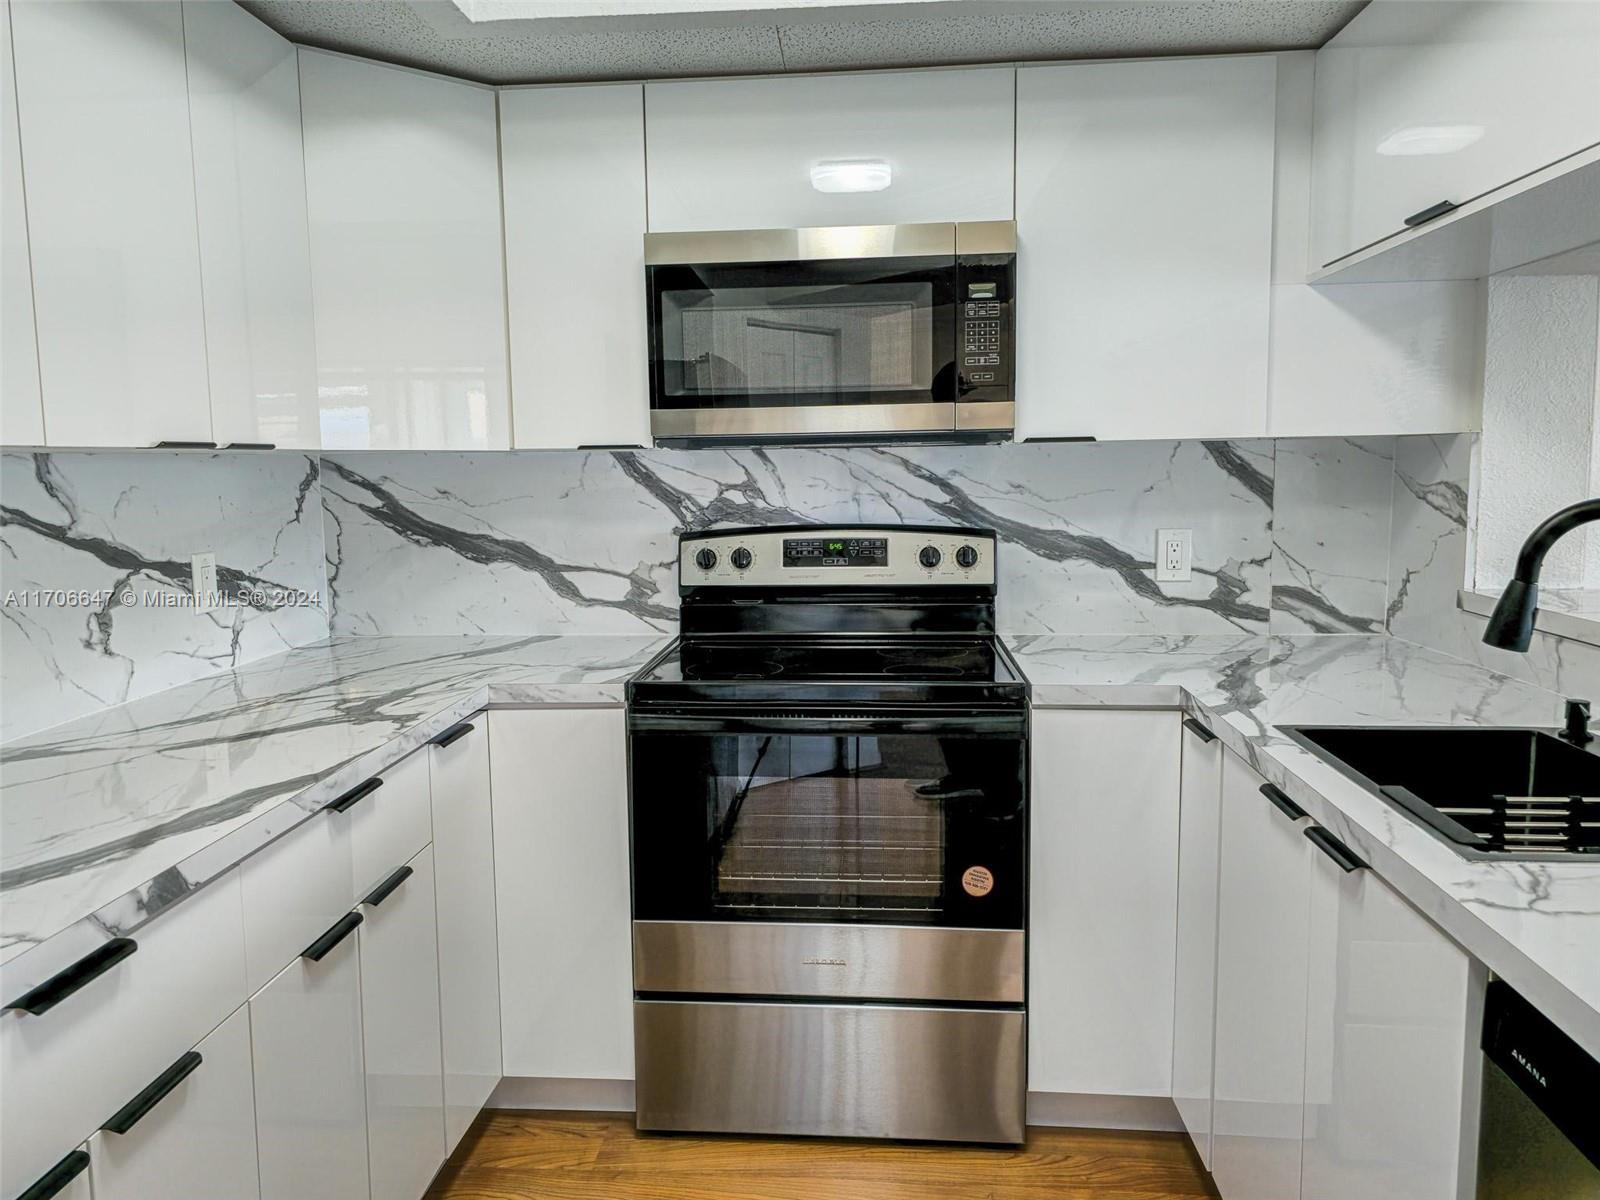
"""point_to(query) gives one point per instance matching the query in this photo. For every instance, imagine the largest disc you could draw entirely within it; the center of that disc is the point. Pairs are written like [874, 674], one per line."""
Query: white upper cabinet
[104, 110]
[738, 153]
[1422, 103]
[403, 191]
[21, 417]
[255, 258]
[1144, 230]
[574, 177]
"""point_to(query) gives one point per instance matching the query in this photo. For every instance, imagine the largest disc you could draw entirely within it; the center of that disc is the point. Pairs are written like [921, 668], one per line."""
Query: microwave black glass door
[905, 829]
[762, 335]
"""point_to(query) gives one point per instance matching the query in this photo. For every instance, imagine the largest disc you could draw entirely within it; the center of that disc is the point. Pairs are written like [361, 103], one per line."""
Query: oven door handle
[1014, 724]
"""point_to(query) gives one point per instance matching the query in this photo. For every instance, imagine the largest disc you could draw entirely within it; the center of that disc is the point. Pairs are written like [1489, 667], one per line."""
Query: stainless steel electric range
[828, 777]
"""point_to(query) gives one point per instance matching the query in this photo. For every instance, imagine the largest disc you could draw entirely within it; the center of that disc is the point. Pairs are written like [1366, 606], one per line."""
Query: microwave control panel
[983, 324]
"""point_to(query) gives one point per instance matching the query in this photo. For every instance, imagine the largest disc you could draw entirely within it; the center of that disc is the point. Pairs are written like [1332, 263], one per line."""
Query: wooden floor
[575, 1156]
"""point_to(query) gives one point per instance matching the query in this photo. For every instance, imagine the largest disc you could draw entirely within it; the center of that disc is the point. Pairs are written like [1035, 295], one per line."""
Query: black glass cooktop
[898, 668]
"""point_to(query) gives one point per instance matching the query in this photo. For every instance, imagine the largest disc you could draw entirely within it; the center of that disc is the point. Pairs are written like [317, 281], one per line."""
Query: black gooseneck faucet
[1511, 625]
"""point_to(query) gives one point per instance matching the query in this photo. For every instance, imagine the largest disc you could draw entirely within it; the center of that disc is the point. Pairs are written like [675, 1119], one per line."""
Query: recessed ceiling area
[540, 41]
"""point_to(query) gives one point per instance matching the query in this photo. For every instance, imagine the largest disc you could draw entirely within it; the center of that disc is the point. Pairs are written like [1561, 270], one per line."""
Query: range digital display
[835, 552]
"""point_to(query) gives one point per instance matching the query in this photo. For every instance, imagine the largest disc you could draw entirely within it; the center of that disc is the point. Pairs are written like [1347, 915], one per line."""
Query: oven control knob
[705, 559]
[740, 558]
[966, 557]
[930, 556]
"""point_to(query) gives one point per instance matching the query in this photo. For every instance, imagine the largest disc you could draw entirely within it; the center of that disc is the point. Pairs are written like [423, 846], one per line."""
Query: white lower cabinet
[469, 958]
[1195, 994]
[1391, 1047]
[561, 881]
[311, 1096]
[1261, 992]
[400, 1032]
[1103, 863]
[198, 1141]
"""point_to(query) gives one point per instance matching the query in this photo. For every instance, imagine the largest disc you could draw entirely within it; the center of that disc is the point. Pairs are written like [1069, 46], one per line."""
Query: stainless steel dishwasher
[1539, 1137]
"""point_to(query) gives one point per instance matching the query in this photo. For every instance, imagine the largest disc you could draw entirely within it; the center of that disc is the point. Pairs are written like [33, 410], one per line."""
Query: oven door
[802, 349]
[881, 819]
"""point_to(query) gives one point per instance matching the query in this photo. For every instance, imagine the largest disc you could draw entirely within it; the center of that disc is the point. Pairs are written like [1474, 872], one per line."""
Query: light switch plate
[203, 581]
[1174, 555]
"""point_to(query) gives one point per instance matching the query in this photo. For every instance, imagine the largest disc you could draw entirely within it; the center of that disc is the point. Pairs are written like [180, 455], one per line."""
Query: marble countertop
[107, 820]
[1536, 924]
[110, 819]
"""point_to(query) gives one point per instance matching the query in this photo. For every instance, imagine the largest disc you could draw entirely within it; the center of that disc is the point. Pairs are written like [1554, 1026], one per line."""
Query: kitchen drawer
[70, 1068]
[198, 1140]
[301, 884]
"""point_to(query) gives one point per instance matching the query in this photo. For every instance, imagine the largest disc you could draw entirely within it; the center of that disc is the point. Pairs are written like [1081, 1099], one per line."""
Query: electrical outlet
[203, 581]
[1174, 554]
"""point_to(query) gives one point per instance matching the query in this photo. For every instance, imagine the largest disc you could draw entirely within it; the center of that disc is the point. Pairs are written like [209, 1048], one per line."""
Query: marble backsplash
[83, 533]
[1290, 537]
[1430, 540]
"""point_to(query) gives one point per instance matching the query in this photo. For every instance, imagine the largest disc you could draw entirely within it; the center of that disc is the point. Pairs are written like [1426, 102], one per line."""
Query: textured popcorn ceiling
[644, 40]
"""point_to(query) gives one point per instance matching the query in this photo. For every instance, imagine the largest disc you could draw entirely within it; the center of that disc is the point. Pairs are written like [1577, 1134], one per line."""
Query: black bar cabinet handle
[63, 983]
[1334, 849]
[360, 792]
[134, 1111]
[454, 734]
[251, 446]
[610, 446]
[54, 1181]
[1282, 802]
[1199, 730]
[180, 445]
[337, 932]
[1036, 441]
[386, 889]
[1432, 213]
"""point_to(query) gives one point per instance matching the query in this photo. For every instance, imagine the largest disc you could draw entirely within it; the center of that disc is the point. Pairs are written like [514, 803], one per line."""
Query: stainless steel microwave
[846, 333]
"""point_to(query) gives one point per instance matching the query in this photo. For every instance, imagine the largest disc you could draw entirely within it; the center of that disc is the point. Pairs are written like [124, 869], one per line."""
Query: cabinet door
[469, 962]
[1144, 231]
[738, 153]
[1261, 993]
[573, 165]
[1389, 1045]
[199, 1141]
[561, 851]
[403, 191]
[311, 1100]
[104, 110]
[21, 417]
[400, 1032]
[255, 256]
[1419, 103]
[1102, 901]
[1195, 996]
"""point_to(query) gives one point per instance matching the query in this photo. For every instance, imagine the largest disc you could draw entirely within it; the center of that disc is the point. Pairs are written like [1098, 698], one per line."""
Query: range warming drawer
[870, 962]
[831, 1070]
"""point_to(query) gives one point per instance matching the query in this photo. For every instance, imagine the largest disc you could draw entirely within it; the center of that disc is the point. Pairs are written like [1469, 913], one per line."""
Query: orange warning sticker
[977, 881]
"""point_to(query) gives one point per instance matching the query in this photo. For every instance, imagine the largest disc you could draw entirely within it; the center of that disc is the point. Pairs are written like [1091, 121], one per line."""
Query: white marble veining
[110, 525]
[586, 542]
[113, 817]
[1428, 551]
[1535, 924]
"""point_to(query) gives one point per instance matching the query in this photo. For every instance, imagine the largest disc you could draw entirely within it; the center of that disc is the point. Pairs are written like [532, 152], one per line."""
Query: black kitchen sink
[1493, 793]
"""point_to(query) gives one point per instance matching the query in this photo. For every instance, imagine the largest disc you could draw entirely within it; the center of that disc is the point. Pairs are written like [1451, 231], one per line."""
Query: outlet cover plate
[203, 580]
[1174, 555]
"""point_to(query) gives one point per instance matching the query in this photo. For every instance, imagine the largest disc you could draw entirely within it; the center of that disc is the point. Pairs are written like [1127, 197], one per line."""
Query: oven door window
[913, 829]
[877, 331]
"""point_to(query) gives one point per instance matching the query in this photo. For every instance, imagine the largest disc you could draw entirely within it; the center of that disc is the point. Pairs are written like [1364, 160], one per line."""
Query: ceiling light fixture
[851, 175]
[1429, 139]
